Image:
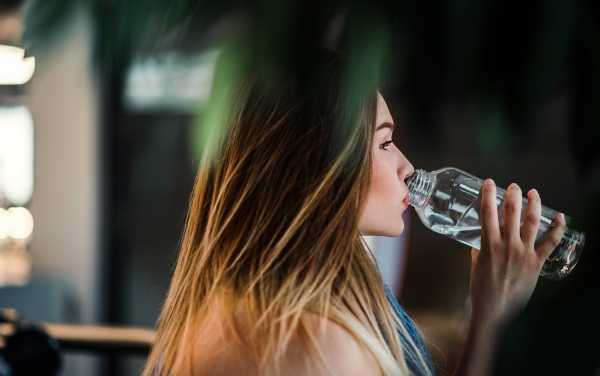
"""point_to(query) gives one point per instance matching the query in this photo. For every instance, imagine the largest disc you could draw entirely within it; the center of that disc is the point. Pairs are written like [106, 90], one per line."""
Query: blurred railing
[101, 338]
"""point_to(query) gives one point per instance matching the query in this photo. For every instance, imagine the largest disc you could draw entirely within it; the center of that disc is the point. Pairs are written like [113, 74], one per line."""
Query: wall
[63, 99]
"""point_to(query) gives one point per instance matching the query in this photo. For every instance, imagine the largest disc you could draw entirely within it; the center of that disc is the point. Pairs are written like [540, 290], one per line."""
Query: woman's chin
[391, 232]
[390, 228]
[396, 229]
[397, 232]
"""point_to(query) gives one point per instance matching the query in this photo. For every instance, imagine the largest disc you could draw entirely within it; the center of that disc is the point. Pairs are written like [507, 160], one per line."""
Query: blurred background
[105, 106]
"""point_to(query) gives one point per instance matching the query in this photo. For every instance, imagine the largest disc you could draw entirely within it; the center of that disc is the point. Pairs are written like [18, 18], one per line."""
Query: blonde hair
[274, 222]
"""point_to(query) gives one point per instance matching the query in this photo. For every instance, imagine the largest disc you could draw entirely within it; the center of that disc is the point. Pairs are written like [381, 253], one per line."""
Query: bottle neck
[419, 184]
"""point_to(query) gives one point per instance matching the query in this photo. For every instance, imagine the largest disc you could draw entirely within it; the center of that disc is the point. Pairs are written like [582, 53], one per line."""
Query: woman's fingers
[531, 221]
[512, 214]
[490, 229]
[474, 255]
[554, 237]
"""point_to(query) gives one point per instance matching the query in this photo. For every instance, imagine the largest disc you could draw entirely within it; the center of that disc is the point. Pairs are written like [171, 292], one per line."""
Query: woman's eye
[385, 144]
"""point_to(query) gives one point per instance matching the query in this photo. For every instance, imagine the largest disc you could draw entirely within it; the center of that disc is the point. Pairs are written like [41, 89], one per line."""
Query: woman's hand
[504, 272]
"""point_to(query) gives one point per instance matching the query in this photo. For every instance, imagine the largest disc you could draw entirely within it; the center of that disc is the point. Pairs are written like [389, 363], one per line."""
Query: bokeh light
[20, 223]
[15, 68]
[16, 154]
[3, 224]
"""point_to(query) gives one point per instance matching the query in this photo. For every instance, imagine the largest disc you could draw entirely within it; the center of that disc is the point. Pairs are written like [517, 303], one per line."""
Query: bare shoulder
[217, 353]
[340, 349]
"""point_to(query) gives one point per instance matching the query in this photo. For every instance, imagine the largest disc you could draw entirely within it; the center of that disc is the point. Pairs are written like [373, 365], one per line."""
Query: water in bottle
[448, 201]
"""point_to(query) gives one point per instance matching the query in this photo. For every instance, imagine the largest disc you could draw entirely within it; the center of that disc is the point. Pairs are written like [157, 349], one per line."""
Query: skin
[503, 273]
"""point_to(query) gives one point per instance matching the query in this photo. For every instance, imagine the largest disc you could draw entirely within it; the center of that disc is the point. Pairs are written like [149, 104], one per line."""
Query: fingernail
[561, 215]
[513, 185]
[489, 181]
[534, 192]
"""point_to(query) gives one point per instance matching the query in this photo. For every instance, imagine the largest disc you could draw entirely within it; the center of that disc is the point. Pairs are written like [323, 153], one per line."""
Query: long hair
[273, 222]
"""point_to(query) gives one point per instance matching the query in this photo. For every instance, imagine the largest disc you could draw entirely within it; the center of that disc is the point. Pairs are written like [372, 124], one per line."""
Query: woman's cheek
[387, 189]
[388, 184]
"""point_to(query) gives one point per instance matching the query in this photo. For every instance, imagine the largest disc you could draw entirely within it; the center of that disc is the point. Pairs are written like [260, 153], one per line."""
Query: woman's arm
[503, 273]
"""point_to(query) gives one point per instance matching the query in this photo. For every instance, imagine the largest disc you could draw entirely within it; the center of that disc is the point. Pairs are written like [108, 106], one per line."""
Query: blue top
[410, 327]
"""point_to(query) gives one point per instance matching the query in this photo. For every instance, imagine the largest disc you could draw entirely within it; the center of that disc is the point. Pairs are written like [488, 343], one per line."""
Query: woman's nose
[407, 172]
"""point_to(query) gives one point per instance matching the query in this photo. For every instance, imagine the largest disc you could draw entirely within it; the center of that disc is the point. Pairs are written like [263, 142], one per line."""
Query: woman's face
[382, 214]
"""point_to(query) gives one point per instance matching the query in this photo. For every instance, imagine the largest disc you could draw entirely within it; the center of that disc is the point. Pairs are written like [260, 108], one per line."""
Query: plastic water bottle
[448, 201]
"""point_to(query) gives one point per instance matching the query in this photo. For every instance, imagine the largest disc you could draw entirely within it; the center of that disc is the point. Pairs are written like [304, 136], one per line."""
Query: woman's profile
[273, 276]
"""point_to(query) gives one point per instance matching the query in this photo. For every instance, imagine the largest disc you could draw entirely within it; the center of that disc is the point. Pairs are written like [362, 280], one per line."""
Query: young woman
[273, 277]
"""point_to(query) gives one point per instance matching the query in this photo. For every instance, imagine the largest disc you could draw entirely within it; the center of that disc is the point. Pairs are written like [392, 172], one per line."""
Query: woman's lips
[405, 201]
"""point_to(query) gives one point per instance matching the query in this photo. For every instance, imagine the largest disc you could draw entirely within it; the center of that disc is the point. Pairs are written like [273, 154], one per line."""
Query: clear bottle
[448, 201]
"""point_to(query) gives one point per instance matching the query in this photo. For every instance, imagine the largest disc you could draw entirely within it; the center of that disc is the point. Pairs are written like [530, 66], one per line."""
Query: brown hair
[274, 221]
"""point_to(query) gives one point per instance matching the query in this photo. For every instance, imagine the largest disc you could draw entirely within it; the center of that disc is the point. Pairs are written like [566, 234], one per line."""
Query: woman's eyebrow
[387, 124]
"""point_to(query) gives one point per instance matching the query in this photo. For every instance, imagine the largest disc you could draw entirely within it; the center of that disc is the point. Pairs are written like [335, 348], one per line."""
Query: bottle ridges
[418, 186]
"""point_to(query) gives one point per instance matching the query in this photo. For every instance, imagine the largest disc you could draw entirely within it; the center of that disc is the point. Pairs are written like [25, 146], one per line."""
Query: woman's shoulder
[217, 351]
[340, 350]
